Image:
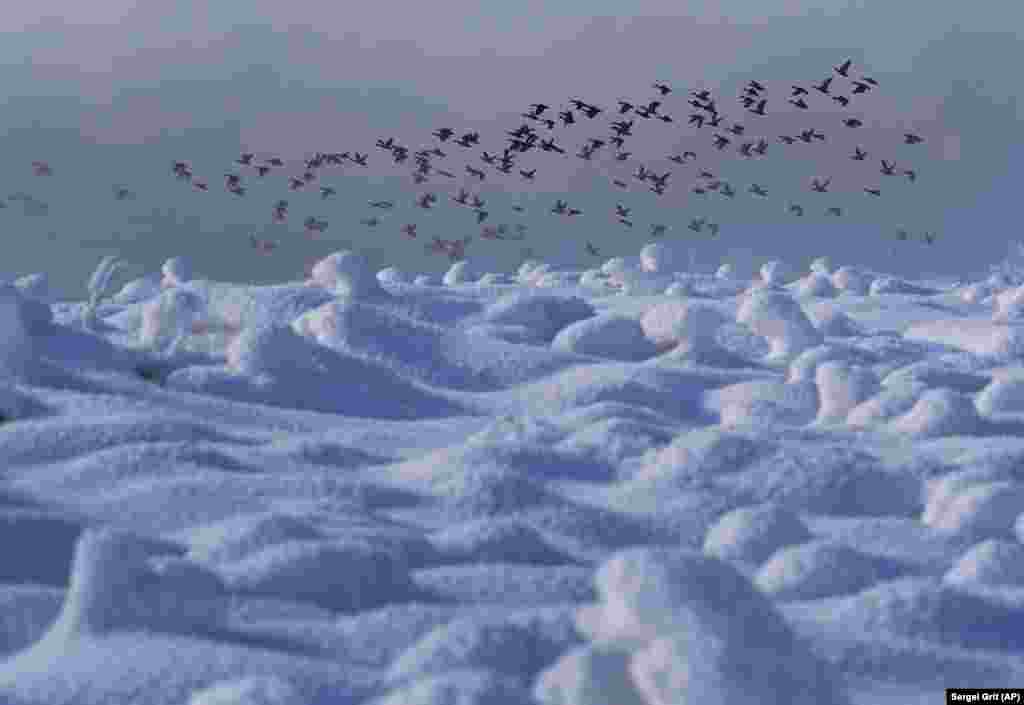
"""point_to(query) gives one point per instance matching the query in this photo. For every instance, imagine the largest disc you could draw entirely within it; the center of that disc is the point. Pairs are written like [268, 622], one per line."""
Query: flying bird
[820, 186]
[910, 138]
[843, 68]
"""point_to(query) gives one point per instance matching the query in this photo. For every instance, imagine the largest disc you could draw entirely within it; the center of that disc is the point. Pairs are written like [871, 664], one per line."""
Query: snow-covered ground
[620, 486]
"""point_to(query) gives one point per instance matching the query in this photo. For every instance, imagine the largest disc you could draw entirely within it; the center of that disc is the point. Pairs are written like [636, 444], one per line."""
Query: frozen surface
[630, 485]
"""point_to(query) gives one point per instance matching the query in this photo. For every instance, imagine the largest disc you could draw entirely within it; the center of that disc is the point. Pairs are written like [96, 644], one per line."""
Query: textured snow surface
[626, 486]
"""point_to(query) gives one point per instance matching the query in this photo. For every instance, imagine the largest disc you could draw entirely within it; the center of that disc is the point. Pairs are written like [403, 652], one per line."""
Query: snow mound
[927, 608]
[725, 271]
[852, 280]
[500, 540]
[766, 402]
[780, 319]
[427, 280]
[170, 317]
[1000, 341]
[889, 403]
[693, 458]
[620, 265]
[816, 284]
[934, 374]
[347, 273]
[697, 669]
[392, 275]
[836, 479]
[460, 687]
[475, 491]
[752, 534]
[775, 273]
[805, 365]
[834, 323]
[978, 509]
[236, 538]
[1005, 394]
[120, 583]
[519, 645]
[975, 293]
[817, 569]
[545, 314]
[36, 286]
[821, 265]
[342, 575]
[609, 335]
[254, 690]
[1009, 305]
[841, 387]
[692, 325]
[268, 349]
[991, 562]
[662, 257]
[938, 412]
[651, 592]
[176, 271]
[459, 273]
[589, 675]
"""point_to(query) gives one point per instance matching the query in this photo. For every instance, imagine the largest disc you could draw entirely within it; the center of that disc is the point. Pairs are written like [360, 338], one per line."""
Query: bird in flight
[758, 190]
[42, 169]
[592, 250]
[796, 209]
[888, 169]
[382, 204]
[859, 154]
[409, 230]
[834, 210]
[844, 68]
[819, 185]
[263, 246]
[326, 191]
[873, 191]
[662, 88]
[910, 138]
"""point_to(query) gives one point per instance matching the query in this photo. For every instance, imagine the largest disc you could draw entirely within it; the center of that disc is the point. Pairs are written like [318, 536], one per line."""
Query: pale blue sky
[109, 93]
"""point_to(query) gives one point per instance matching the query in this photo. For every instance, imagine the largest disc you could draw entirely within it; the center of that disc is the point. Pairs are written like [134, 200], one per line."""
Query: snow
[555, 487]
[781, 320]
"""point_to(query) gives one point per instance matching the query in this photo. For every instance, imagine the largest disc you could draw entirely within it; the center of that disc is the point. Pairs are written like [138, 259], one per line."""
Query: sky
[111, 93]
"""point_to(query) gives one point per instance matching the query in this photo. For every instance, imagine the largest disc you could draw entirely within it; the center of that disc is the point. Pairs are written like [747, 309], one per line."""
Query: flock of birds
[705, 114]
